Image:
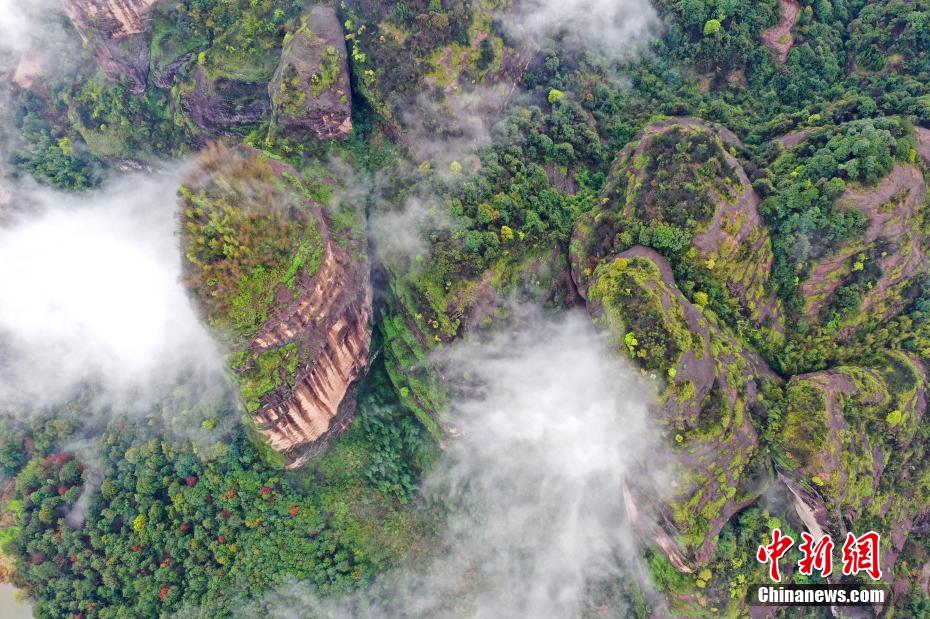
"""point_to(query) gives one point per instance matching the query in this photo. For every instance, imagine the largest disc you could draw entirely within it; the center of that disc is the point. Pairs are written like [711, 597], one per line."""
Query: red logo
[860, 554]
[817, 556]
[773, 552]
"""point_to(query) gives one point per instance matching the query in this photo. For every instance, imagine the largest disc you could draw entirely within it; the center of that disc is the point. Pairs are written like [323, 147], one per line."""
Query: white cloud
[38, 48]
[401, 234]
[90, 293]
[552, 425]
[618, 29]
[17, 18]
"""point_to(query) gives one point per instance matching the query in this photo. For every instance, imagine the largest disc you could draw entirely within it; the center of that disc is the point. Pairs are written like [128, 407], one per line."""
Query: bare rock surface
[779, 38]
[892, 209]
[222, 104]
[118, 33]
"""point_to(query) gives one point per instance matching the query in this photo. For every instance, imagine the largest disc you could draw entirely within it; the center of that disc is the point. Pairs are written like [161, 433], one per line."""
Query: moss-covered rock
[310, 90]
[710, 382]
[679, 189]
[176, 42]
[447, 62]
[219, 104]
[226, 89]
[853, 443]
[871, 277]
[841, 426]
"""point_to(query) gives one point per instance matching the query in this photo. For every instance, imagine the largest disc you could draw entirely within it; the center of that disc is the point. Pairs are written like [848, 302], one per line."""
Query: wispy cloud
[17, 20]
[552, 425]
[617, 29]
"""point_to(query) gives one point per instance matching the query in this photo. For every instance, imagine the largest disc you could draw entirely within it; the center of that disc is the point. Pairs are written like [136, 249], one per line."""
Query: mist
[617, 29]
[552, 424]
[90, 296]
[16, 21]
[36, 42]
[445, 135]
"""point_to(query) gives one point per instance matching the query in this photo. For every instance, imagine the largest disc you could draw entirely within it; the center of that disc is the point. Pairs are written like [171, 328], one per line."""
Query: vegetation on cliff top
[247, 231]
[173, 526]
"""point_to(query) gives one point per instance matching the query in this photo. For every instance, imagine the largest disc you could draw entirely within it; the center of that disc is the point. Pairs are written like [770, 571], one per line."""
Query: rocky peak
[718, 212]
[310, 90]
[117, 32]
[711, 382]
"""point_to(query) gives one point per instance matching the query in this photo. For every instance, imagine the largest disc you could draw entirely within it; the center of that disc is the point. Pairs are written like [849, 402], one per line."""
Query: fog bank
[616, 29]
[90, 294]
[552, 424]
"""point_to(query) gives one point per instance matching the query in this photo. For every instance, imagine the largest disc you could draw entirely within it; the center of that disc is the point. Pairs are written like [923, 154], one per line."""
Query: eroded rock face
[219, 105]
[331, 320]
[893, 239]
[310, 90]
[680, 186]
[711, 381]
[854, 436]
[317, 407]
[779, 38]
[295, 303]
[117, 31]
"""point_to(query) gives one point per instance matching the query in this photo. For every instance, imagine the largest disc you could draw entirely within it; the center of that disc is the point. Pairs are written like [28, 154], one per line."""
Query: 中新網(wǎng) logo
[860, 554]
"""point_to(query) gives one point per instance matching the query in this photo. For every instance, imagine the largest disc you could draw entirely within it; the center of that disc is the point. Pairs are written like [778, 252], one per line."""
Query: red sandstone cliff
[306, 341]
[117, 31]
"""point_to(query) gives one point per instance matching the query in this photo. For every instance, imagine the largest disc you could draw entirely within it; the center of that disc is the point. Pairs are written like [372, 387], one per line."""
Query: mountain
[732, 194]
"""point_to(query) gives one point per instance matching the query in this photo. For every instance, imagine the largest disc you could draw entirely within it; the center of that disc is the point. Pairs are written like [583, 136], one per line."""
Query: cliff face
[310, 90]
[295, 66]
[317, 407]
[893, 240]
[220, 104]
[113, 19]
[711, 382]
[293, 300]
[331, 323]
[854, 435]
[117, 31]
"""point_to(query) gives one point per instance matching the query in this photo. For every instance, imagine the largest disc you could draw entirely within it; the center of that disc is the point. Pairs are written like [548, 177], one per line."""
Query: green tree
[712, 27]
